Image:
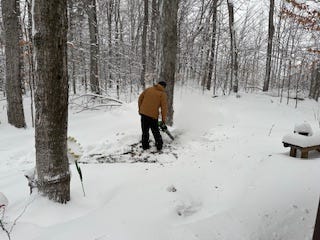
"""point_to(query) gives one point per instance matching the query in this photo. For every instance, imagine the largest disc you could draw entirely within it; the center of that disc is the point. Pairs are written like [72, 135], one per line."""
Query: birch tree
[13, 53]
[51, 98]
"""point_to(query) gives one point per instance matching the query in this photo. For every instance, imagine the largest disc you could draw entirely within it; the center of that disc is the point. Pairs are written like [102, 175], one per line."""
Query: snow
[301, 140]
[226, 176]
[3, 201]
[303, 128]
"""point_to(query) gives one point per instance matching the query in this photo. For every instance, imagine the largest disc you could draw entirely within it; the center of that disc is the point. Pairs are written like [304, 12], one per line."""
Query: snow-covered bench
[303, 139]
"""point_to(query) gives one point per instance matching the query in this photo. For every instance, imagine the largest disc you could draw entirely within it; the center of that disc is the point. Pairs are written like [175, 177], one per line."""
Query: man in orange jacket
[150, 102]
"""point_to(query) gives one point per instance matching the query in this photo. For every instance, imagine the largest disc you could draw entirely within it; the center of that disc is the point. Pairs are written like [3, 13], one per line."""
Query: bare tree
[169, 50]
[233, 48]
[144, 45]
[117, 39]
[152, 40]
[94, 45]
[213, 42]
[13, 52]
[51, 98]
[110, 9]
[306, 16]
[269, 50]
[71, 33]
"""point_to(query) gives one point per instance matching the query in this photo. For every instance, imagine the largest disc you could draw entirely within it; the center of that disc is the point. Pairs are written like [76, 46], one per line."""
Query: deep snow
[233, 178]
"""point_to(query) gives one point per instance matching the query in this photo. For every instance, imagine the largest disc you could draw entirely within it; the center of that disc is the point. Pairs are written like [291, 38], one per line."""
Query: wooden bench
[304, 150]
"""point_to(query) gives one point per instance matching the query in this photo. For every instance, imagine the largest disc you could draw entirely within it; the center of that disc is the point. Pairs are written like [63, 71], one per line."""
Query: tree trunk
[206, 54]
[94, 46]
[12, 29]
[144, 45]
[316, 232]
[152, 40]
[233, 48]
[117, 44]
[51, 98]
[285, 57]
[314, 80]
[269, 50]
[30, 60]
[71, 46]
[109, 17]
[213, 42]
[169, 50]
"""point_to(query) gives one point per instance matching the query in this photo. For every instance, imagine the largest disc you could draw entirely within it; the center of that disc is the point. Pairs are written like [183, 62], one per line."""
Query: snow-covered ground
[226, 176]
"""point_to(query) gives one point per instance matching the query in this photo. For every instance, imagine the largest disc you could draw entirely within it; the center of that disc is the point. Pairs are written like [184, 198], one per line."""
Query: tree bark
[110, 8]
[117, 45]
[316, 232]
[233, 49]
[144, 45]
[13, 52]
[94, 46]
[71, 27]
[30, 59]
[152, 40]
[269, 50]
[169, 50]
[51, 98]
[213, 42]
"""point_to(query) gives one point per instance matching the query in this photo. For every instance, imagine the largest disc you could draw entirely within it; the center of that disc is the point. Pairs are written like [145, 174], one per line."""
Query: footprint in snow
[188, 209]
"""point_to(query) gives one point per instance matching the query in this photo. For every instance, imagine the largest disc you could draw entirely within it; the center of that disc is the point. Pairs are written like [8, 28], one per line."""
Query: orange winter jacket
[151, 100]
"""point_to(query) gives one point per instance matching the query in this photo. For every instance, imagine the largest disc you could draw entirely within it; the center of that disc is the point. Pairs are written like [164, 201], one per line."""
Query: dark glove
[163, 126]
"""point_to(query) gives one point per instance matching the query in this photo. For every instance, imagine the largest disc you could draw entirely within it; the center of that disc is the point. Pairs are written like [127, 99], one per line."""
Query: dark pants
[146, 124]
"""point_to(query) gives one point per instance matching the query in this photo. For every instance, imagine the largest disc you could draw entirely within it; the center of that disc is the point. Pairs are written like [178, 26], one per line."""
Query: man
[150, 102]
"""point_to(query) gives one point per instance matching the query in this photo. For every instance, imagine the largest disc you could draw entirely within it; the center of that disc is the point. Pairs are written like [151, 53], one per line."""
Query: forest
[62, 57]
[114, 47]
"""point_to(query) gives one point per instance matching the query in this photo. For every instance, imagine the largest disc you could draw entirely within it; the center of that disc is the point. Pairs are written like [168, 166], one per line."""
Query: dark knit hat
[163, 84]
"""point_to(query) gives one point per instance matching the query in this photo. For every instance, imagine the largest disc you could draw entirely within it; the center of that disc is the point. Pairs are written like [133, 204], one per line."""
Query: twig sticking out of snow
[31, 177]
[2, 223]
[271, 130]
[4, 228]
[3, 204]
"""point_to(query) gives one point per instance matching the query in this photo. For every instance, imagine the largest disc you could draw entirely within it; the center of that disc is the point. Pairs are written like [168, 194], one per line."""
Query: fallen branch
[96, 107]
[97, 96]
[3, 227]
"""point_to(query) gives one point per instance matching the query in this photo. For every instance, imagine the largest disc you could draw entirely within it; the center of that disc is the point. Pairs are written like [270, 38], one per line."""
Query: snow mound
[301, 140]
[304, 128]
